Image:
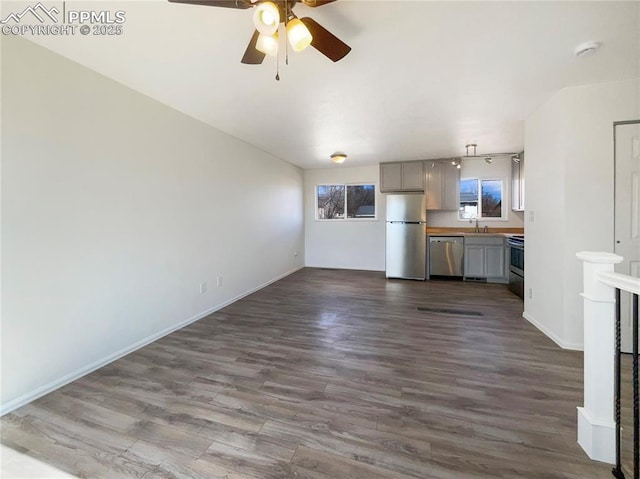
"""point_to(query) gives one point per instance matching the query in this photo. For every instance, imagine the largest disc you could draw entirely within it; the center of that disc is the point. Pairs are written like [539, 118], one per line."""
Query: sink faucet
[485, 229]
[474, 217]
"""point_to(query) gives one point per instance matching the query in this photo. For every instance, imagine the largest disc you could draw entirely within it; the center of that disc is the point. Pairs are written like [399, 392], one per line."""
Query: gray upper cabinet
[517, 182]
[406, 176]
[442, 182]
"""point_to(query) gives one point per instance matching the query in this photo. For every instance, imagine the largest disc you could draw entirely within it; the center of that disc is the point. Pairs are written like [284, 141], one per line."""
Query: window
[356, 201]
[481, 199]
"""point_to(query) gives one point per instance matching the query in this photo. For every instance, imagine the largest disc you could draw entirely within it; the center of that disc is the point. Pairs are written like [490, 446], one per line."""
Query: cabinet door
[433, 184]
[474, 261]
[412, 176]
[494, 261]
[450, 187]
[390, 177]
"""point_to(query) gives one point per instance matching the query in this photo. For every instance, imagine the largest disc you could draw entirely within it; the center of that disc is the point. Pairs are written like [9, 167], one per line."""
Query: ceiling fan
[267, 17]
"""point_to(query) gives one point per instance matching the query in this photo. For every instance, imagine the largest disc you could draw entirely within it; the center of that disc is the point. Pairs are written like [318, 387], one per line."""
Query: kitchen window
[482, 199]
[339, 202]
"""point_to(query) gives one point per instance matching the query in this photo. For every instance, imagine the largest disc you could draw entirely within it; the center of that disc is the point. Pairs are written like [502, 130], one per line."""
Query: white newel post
[596, 424]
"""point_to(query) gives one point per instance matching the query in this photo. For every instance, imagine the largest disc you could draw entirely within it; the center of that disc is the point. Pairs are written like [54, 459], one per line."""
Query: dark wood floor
[327, 374]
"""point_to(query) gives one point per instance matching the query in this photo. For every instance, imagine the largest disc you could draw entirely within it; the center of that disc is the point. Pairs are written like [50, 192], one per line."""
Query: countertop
[493, 232]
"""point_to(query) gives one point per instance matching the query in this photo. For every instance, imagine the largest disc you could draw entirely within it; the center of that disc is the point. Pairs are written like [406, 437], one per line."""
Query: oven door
[516, 269]
[516, 284]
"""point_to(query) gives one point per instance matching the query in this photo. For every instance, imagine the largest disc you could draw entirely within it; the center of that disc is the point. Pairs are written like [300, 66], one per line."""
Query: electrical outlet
[295, 253]
[203, 287]
[532, 216]
[219, 281]
[530, 293]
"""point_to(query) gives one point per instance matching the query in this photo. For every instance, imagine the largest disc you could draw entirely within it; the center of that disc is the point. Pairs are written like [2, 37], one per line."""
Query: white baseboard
[597, 440]
[551, 335]
[325, 266]
[66, 379]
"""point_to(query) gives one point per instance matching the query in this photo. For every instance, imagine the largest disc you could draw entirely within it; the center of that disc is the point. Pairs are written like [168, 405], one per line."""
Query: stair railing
[599, 427]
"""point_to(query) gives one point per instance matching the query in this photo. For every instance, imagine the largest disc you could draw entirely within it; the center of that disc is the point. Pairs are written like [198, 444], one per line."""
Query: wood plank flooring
[327, 374]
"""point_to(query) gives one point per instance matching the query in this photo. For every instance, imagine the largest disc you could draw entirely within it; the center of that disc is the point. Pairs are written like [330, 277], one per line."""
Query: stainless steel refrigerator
[406, 236]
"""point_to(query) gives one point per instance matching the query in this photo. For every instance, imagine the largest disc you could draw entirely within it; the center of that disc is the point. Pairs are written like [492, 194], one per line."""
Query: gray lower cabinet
[442, 181]
[404, 176]
[484, 258]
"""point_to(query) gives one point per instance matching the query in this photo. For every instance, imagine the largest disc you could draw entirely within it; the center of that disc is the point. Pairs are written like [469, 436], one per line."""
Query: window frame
[346, 218]
[503, 193]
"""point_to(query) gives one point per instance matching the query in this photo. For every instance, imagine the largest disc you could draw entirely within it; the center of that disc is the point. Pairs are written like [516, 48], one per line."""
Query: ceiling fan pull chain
[278, 65]
[286, 34]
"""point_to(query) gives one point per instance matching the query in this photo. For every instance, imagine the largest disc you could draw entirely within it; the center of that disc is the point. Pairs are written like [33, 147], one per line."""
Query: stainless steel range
[516, 264]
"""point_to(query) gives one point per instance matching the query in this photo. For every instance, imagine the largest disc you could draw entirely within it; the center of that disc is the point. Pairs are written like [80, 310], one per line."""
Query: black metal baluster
[617, 471]
[636, 422]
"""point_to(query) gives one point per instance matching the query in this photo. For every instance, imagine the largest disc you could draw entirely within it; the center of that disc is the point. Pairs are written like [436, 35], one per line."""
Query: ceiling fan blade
[316, 3]
[326, 42]
[252, 56]
[240, 4]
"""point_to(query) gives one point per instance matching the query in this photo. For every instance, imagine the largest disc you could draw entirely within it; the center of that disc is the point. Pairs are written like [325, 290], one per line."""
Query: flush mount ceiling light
[338, 157]
[586, 49]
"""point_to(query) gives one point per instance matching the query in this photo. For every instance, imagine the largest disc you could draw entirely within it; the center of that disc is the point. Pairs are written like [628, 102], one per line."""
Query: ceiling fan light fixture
[338, 157]
[298, 34]
[268, 44]
[266, 18]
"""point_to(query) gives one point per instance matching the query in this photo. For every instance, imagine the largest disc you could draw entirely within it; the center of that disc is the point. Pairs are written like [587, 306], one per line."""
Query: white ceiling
[423, 78]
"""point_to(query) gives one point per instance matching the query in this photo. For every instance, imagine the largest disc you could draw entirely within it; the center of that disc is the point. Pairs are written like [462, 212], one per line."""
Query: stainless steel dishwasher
[445, 255]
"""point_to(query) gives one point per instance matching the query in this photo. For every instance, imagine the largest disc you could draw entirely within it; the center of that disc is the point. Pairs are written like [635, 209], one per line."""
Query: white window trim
[504, 192]
[342, 220]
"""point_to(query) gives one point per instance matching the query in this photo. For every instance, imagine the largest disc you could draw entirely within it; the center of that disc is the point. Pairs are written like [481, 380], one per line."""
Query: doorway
[627, 245]
[627, 212]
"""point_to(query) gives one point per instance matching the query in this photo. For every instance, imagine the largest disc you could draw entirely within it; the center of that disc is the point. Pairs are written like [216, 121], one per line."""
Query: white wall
[545, 237]
[343, 243]
[569, 174]
[114, 209]
[500, 168]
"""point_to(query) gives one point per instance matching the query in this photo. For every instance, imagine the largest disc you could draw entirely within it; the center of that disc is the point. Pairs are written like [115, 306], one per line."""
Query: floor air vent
[458, 312]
